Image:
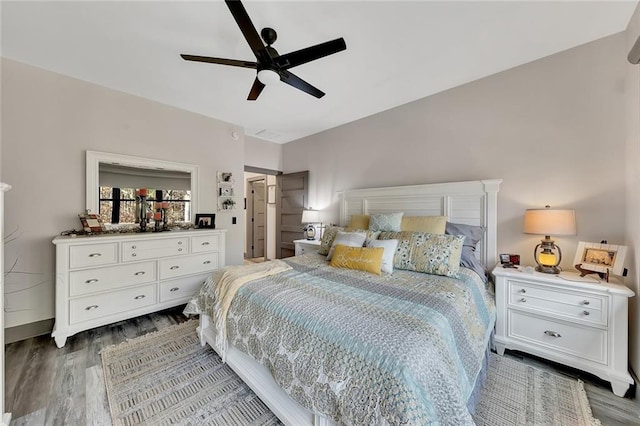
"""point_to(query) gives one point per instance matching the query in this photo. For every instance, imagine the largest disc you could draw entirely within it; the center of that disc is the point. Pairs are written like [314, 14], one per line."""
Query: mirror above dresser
[105, 171]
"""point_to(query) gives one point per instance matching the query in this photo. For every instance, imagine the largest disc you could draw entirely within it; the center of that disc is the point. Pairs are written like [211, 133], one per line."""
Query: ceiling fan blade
[295, 81]
[246, 26]
[256, 89]
[221, 61]
[309, 54]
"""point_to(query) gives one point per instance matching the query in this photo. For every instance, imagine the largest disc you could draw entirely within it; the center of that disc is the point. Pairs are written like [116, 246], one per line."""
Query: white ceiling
[397, 52]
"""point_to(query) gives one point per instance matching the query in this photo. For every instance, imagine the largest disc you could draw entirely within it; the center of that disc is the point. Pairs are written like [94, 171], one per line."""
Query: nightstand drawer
[573, 306]
[582, 342]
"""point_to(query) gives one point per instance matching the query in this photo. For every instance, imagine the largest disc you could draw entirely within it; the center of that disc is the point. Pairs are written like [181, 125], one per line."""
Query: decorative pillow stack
[424, 252]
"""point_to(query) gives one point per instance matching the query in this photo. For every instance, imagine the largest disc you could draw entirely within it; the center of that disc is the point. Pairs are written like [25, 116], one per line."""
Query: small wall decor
[91, 223]
[206, 220]
[600, 257]
[226, 194]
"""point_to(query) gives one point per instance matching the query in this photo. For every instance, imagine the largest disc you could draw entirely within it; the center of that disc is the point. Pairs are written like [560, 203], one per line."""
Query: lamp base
[548, 269]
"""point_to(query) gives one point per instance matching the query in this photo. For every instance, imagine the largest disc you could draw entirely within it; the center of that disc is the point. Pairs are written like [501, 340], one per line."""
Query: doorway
[260, 217]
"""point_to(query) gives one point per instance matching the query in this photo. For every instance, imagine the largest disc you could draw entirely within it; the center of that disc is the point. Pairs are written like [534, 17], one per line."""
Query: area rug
[167, 378]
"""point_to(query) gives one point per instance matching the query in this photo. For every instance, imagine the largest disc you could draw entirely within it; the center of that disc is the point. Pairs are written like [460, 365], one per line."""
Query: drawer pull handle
[179, 243]
[586, 302]
[523, 300]
[91, 308]
[179, 249]
[142, 296]
[586, 312]
[175, 289]
[206, 262]
[206, 243]
[139, 273]
[133, 255]
[134, 247]
[95, 255]
[523, 291]
[552, 333]
[92, 280]
[174, 267]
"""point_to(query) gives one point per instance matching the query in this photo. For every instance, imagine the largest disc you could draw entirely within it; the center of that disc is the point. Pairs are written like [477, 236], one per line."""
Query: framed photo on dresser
[600, 257]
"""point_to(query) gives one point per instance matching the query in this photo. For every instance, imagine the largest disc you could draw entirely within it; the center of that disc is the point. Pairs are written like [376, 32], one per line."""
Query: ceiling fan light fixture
[268, 77]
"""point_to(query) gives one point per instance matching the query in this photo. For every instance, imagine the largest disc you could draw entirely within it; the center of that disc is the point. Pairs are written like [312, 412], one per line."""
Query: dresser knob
[585, 312]
[93, 280]
[133, 247]
[142, 296]
[586, 302]
[139, 273]
[523, 300]
[174, 267]
[175, 289]
[179, 249]
[206, 243]
[95, 255]
[91, 308]
[133, 255]
[179, 243]
[523, 291]
[552, 333]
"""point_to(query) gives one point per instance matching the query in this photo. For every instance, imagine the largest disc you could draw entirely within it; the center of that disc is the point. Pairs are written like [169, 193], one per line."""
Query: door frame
[264, 172]
[249, 216]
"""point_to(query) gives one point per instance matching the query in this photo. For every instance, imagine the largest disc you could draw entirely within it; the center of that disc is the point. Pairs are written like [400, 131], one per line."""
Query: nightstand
[567, 319]
[306, 246]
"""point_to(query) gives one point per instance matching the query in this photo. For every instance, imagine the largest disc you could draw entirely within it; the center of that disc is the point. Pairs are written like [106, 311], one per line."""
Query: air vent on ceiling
[268, 134]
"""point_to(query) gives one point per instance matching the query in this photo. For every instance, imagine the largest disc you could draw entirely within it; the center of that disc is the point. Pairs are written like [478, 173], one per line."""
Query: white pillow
[349, 239]
[386, 222]
[389, 247]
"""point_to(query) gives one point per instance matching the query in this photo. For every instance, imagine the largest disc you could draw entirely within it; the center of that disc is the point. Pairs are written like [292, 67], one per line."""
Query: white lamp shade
[550, 222]
[310, 216]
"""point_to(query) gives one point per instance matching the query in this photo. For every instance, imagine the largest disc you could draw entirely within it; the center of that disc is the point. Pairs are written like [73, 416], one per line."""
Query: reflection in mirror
[113, 179]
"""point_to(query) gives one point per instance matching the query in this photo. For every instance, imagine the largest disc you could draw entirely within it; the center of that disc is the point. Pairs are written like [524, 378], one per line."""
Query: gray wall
[632, 91]
[48, 122]
[553, 129]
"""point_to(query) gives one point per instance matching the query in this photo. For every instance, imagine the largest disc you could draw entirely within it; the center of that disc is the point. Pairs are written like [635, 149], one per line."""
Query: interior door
[292, 195]
[258, 218]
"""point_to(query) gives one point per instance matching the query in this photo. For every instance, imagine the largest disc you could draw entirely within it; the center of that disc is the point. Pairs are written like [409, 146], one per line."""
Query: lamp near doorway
[310, 217]
[549, 222]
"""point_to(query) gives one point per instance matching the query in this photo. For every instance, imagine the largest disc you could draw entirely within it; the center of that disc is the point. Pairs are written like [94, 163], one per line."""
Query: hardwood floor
[50, 386]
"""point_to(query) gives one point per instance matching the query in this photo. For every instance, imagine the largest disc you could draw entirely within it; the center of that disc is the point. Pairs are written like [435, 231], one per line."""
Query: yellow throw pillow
[368, 259]
[359, 221]
[430, 224]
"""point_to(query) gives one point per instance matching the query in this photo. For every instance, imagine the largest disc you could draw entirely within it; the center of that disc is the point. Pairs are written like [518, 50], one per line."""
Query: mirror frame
[94, 158]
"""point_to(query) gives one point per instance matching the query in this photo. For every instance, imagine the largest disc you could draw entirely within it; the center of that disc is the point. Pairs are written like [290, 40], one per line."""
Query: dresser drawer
[574, 306]
[110, 278]
[151, 249]
[205, 243]
[181, 288]
[583, 342]
[187, 265]
[93, 255]
[102, 305]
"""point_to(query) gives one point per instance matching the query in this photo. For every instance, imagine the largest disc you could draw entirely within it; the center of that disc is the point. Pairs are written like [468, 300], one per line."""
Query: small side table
[306, 246]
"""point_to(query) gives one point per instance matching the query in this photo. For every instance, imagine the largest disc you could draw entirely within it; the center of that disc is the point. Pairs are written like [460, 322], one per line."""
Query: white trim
[94, 158]
[477, 200]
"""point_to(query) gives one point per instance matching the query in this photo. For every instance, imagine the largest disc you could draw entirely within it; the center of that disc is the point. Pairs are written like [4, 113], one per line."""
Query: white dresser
[580, 324]
[108, 278]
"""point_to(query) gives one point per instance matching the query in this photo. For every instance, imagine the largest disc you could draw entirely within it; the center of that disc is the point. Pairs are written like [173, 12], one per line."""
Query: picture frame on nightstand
[600, 257]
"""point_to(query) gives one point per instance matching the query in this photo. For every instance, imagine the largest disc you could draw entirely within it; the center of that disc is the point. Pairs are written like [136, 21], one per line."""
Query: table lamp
[549, 222]
[310, 217]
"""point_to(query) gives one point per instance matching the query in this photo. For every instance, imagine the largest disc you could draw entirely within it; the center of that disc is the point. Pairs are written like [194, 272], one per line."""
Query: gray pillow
[472, 234]
[385, 222]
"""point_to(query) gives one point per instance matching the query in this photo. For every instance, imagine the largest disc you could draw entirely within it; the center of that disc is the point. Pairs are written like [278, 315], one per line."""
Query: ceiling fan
[271, 66]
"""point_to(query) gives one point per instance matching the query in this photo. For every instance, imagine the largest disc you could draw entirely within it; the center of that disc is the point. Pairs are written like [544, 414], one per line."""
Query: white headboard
[471, 203]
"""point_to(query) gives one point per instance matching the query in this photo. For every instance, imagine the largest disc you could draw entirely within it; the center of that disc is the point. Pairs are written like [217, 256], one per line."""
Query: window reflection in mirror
[118, 205]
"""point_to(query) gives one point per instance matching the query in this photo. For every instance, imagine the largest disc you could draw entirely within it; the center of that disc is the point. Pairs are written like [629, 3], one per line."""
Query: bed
[323, 345]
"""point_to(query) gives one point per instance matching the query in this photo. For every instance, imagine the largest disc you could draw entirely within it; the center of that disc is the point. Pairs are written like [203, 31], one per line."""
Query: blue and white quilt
[401, 348]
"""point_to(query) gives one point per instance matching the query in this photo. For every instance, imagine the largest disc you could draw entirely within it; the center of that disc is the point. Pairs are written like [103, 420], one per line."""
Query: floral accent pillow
[386, 222]
[437, 254]
[327, 239]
